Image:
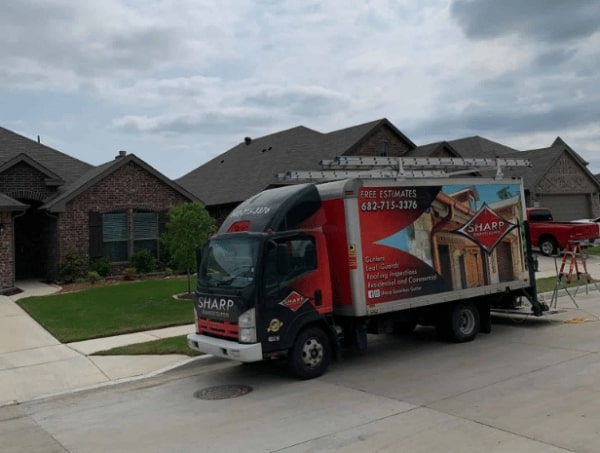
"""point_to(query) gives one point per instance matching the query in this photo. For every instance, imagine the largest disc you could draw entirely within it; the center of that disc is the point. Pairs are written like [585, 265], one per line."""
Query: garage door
[567, 207]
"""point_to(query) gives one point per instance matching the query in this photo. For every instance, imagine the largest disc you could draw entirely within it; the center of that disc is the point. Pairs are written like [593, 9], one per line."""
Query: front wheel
[311, 353]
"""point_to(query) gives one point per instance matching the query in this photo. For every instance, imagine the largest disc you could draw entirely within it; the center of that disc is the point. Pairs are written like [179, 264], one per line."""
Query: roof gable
[52, 179]
[96, 174]
[437, 149]
[62, 166]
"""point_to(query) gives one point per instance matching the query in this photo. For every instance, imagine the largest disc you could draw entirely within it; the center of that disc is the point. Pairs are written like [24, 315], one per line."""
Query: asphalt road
[532, 385]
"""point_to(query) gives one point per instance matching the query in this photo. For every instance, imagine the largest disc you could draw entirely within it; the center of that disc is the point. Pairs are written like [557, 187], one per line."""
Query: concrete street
[532, 385]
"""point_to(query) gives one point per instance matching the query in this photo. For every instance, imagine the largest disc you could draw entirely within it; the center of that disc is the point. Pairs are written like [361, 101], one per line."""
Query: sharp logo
[293, 301]
[486, 228]
[215, 303]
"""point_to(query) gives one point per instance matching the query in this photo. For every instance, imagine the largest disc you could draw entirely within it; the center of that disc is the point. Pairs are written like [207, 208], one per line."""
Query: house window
[145, 232]
[383, 149]
[115, 236]
[123, 235]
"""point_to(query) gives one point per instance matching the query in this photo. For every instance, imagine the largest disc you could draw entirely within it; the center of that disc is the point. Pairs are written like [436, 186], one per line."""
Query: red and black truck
[299, 271]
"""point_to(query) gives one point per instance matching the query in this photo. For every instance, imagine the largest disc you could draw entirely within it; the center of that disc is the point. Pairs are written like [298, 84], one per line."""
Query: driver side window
[290, 258]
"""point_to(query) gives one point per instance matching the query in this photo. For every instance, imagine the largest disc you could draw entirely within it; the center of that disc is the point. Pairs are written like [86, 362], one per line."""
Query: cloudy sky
[179, 82]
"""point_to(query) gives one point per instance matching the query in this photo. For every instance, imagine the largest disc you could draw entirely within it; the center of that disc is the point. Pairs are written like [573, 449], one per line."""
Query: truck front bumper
[226, 349]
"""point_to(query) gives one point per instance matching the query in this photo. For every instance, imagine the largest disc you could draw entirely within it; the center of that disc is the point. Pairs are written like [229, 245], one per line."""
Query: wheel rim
[312, 352]
[466, 322]
[547, 248]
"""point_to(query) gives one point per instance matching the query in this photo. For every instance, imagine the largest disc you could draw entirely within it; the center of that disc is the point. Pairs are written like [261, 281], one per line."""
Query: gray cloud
[550, 21]
[198, 76]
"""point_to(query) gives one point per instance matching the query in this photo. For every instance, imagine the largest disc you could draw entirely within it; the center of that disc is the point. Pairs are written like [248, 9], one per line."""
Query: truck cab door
[295, 291]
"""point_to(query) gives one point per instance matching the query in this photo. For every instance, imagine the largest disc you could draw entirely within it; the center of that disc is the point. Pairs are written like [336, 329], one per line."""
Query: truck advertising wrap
[423, 240]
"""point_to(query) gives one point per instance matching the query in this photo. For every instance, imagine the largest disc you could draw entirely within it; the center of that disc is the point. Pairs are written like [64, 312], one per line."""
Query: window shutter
[95, 227]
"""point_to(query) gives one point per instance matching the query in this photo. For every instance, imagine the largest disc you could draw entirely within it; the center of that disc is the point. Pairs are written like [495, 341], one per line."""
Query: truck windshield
[229, 262]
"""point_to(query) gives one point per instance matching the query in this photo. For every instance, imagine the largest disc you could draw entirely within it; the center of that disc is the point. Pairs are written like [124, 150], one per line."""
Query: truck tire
[461, 322]
[311, 353]
[548, 246]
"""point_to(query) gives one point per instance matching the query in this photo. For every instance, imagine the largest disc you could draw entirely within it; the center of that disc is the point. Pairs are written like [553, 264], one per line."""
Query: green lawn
[112, 310]
[173, 345]
[593, 250]
[547, 284]
[132, 307]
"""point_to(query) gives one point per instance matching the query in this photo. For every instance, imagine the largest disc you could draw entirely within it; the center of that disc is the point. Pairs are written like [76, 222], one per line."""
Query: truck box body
[299, 270]
[394, 246]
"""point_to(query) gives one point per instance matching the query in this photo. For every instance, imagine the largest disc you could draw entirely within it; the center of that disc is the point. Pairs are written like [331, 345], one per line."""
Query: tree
[188, 227]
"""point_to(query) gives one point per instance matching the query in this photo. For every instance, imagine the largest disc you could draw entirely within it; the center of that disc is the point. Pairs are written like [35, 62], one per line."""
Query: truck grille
[223, 329]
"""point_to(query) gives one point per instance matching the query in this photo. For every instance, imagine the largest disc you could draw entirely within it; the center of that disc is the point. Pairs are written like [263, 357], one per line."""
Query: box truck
[300, 271]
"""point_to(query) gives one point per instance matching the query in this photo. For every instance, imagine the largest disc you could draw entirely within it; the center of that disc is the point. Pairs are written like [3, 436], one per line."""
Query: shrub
[102, 266]
[143, 261]
[129, 273]
[93, 277]
[71, 268]
[168, 272]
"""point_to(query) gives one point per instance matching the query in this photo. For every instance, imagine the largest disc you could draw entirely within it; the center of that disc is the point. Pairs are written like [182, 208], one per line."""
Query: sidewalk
[34, 364]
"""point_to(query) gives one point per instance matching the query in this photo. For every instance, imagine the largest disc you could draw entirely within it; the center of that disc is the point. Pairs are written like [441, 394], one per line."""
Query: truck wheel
[311, 353]
[548, 246]
[461, 323]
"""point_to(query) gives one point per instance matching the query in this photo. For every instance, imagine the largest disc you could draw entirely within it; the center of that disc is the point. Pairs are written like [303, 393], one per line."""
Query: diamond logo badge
[486, 228]
[293, 301]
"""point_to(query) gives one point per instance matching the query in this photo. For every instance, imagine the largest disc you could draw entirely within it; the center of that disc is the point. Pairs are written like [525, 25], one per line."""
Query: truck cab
[263, 288]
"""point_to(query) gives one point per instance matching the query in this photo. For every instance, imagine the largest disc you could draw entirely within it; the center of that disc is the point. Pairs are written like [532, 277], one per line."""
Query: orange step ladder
[575, 258]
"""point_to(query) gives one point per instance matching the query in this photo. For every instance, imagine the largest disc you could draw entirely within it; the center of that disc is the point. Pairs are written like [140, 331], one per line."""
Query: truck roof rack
[370, 167]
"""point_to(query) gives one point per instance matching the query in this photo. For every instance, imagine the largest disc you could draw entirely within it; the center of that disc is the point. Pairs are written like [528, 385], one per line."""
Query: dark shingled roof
[96, 174]
[433, 150]
[247, 169]
[10, 204]
[14, 146]
[541, 159]
[480, 147]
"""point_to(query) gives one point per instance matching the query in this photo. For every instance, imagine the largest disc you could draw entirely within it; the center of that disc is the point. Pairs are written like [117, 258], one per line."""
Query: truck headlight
[247, 327]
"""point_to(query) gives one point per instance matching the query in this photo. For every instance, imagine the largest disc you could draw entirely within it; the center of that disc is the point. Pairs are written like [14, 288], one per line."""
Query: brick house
[52, 205]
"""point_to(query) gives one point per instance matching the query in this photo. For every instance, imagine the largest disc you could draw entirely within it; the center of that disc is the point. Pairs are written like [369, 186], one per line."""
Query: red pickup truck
[551, 236]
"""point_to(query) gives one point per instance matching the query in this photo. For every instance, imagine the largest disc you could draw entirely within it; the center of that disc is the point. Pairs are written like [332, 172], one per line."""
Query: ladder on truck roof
[343, 167]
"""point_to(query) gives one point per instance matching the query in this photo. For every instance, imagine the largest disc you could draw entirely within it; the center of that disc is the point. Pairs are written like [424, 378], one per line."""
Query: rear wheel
[548, 246]
[461, 323]
[311, 354]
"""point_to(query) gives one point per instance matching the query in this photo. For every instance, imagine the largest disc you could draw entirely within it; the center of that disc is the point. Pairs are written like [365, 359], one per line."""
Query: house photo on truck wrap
[299, 271]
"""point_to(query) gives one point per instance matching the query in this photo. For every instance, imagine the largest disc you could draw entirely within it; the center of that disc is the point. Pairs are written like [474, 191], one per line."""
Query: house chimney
[39, 139]
[247, 140]
[121, 154]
